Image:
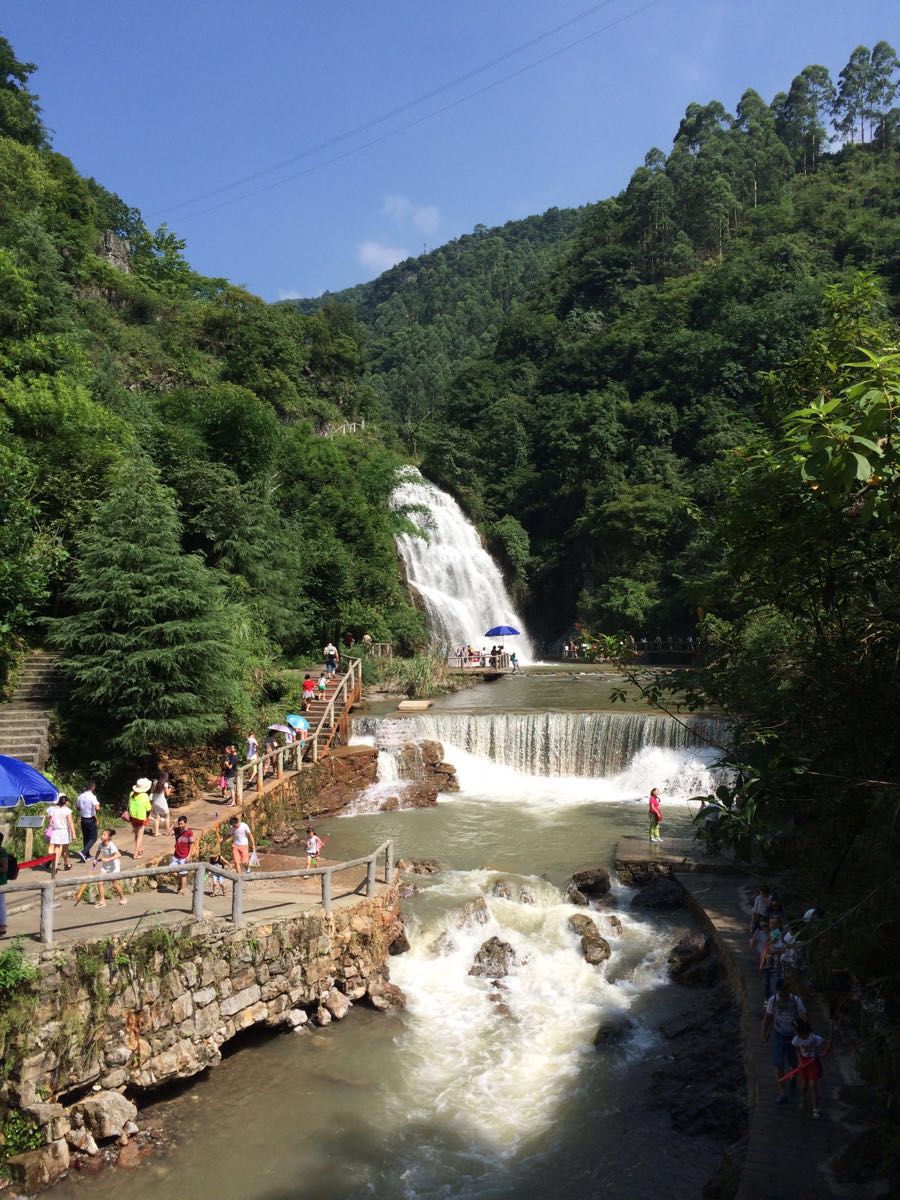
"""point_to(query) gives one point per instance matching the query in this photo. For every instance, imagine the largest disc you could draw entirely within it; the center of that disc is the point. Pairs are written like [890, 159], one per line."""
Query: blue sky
[167, 100]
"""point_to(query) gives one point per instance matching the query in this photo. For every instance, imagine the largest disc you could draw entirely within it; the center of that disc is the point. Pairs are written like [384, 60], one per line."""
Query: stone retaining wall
[129, 1014]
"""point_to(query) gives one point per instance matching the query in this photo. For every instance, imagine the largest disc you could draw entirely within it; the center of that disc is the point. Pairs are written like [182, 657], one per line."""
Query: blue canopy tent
[21, 783]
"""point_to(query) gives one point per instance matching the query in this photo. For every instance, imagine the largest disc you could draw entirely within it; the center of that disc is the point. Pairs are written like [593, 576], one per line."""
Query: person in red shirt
[655, 815]
[184, 841]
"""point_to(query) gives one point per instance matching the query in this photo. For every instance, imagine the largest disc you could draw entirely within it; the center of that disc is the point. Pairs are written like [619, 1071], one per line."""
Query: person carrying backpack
[9, 871]
[783, 1010]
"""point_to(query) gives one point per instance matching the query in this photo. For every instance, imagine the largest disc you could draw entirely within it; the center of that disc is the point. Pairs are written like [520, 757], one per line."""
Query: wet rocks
[443, 944]
[527, 896]
[595, 949]
[660, 893]
[592, 881]
[614, 1030]
[502, 889]
[400, 944]
[574, 896]
[385, 996]
[337, 1004]
[691, 962]
[493, 960]
[105, 1114]
[610, 925]
[422, 866]
[475, 912]
[408, 890]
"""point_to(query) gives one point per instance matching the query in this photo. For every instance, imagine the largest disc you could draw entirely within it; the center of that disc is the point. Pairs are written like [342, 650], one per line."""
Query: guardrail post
[199, 877]
[47, 891]
[237, 901]
[370, 875]
[240, 786]
[315, 748]
[279, 764]
[326, 891]
[260, 776]
[389, 863]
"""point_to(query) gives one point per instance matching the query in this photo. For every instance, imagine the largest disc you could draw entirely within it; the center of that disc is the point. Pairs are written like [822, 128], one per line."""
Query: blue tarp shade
[19, 781]
[502, 631]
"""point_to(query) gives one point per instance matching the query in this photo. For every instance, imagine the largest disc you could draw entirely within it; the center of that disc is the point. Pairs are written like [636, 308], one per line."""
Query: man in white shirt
[88, 806]
[242, 841]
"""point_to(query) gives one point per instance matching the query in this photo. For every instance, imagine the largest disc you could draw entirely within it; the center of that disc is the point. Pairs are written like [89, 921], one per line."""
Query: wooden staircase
[25, 719]
[329, 717]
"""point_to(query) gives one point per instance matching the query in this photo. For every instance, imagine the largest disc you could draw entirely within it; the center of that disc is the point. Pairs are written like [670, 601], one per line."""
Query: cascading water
[550, 754]
[459, 583]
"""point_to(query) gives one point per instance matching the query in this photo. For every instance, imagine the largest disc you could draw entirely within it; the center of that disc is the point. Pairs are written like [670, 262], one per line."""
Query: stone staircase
[25, 719]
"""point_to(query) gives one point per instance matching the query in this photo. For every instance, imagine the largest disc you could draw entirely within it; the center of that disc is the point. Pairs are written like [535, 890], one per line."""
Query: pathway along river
[453, 1099]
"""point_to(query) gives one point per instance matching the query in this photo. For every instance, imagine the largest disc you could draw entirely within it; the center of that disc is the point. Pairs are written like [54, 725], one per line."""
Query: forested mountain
[587, 436]
[428, 314]
[164, 486]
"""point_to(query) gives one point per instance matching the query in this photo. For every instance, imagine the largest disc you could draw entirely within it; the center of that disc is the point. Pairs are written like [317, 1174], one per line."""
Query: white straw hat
[142, 785]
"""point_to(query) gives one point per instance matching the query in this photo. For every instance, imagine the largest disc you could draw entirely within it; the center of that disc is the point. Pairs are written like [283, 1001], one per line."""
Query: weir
[553, 743]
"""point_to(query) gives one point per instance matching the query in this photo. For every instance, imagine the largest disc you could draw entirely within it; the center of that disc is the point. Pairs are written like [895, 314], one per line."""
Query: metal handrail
[200, 869]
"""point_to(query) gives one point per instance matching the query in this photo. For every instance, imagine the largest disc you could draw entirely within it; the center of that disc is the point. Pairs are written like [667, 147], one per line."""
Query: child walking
[109, 857]
[810, 1047]
[314, 847]
[655, 815]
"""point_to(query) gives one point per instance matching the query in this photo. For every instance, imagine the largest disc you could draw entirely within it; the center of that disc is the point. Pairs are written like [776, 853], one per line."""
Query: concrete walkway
[263, 901]
[787, 1151]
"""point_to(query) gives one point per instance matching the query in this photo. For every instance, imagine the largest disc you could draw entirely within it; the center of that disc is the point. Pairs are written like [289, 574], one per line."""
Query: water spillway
[553, 743]
[459, 584]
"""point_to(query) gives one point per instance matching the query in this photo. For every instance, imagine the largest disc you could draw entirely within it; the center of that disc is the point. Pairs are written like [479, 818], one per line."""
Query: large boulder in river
[527, 896]
[702, 974]
[575, 897]
[660, 893]
[592, 881]
[610, 925]
[385, 996]
[105, 1114]
[502, 889]
[494, 959]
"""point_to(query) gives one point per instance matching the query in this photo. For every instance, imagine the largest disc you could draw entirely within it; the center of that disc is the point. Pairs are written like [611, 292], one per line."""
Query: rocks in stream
[615, 1029]
[493, 960]
[595, 948]
[527, 896]
[421, 866]
[592, 882]
[660, 893]
[474, 912]
[502, 889]
[386, 996]
[692, 963]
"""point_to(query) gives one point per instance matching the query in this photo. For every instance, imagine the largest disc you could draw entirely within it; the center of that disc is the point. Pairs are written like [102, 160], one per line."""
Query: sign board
[30, 821]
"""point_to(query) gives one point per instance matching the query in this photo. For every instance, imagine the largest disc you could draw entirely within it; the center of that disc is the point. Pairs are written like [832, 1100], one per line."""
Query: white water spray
[459, 583]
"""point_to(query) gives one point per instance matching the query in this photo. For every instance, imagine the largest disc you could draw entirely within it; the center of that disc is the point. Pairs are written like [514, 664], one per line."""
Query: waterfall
[459, 583]
[552, 743]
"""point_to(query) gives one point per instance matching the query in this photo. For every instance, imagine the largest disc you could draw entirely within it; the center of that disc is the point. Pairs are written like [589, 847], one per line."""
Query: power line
[394, 112]
[419, 120]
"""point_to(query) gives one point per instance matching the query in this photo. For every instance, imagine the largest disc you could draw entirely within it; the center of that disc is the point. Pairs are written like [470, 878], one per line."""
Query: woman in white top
[60, 831]
[159, 801]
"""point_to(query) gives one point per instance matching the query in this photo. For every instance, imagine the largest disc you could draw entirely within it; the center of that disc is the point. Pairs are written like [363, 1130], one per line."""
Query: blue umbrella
[502, 631]
[19, 781]
[297, 721]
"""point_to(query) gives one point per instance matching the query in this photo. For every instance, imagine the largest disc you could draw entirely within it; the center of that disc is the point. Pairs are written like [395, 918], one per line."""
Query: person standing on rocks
[88, 806]
[783, 1010]
[655, 815]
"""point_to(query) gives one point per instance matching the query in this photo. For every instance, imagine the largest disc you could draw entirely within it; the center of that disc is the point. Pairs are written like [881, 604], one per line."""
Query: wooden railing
[48, 888]
[342, 428]
[305, 748]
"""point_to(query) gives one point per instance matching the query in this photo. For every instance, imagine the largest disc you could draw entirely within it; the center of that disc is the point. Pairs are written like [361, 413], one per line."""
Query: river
[456, 1097]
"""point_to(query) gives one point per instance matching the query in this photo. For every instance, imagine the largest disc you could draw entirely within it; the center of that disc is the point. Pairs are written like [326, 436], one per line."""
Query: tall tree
[764, 162]
[20, 114]
[152, 647]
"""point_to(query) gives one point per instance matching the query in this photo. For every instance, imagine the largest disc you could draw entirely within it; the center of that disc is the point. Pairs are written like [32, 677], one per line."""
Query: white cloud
[424, 217]
[289, 294]
[379, 256]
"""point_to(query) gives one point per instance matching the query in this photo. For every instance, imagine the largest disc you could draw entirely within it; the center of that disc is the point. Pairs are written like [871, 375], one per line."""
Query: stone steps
[25, 719]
